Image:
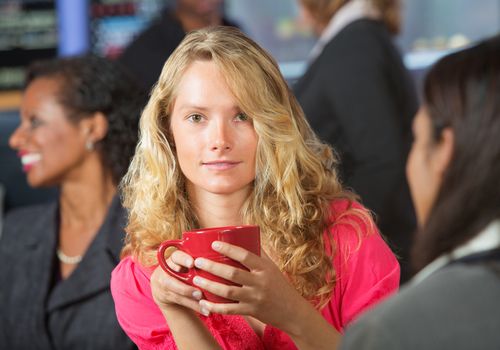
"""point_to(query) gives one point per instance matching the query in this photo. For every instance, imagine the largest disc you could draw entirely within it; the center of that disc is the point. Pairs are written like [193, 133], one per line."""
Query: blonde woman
[224, 142]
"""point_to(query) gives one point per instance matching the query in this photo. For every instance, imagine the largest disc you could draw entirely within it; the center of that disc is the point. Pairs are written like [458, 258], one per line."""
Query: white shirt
[487, 239]
[350, 12]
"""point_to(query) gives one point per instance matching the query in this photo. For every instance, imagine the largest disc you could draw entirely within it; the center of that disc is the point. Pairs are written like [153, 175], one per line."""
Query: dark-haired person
[78, 131]
[358, 96]
[145, 56]
[454, 172]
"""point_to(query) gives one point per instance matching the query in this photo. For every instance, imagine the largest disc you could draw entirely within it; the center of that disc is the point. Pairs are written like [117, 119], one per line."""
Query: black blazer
[358, 96]
[37, 312]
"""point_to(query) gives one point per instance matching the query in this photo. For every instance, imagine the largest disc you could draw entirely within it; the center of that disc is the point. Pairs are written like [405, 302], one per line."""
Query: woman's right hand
[168, 290]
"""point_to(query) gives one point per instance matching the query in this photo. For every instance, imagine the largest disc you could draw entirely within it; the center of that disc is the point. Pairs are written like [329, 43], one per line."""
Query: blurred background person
[358, 96]
[78, 131]
[145, 55]
[16, 189]
[453, 170]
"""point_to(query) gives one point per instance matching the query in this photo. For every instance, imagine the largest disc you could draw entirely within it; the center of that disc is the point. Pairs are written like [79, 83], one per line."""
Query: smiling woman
[78, 130]
[224, 142]
[50, 145]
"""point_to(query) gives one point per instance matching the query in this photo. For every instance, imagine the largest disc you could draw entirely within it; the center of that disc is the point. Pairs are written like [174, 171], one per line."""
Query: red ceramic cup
[198, 244]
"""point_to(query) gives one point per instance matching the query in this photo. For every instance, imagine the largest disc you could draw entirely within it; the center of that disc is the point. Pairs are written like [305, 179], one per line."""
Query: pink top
[366, 273]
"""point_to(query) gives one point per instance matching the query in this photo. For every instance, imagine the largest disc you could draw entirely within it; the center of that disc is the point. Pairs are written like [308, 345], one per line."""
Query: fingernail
[197, 295]
[204, 308]
[216, 245]
[188, 262]
[204, 312]
[198, 281]
[199, 263]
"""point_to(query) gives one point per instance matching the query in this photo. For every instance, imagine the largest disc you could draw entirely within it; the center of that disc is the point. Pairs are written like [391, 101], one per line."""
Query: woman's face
[50, 147]
[215, 142]
[426, 164]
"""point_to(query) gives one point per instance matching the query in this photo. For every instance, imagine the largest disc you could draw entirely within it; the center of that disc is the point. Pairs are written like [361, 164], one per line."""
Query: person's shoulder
[409, 319]
[366, 36]
[350, 219]
[26, 216]
[456, 282]
[137, 313]
[163, 34]
[442, 292]
[351, 226]
[34, 210]
[167, 23]
[357, 241]
[29, 222]
[229, 22]
[388, 325]
[365, 31]
[366, 25]
[129, 269]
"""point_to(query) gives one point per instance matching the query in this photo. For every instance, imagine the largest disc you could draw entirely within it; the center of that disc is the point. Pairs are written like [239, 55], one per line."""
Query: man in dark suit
[358, 96]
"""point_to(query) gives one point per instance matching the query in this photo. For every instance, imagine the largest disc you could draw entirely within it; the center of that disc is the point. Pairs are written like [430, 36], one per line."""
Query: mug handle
[183, 276]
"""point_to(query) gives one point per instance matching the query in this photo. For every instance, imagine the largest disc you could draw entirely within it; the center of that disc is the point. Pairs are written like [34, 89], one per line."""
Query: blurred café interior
[37, 29]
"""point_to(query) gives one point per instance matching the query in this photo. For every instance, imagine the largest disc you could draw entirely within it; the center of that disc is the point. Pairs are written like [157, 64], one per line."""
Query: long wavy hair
[462, 92]
[295, 179]
[323, 10]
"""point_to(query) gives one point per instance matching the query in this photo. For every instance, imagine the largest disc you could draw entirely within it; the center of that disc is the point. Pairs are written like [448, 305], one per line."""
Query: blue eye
[242, 117]
[195, 118]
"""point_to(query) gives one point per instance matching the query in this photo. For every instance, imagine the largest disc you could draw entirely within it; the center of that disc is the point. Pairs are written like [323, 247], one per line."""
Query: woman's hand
[264, 293]
[168, 290]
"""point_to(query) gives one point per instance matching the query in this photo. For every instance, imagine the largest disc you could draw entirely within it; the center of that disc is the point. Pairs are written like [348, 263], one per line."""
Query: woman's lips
[29, 159]
[220, 165]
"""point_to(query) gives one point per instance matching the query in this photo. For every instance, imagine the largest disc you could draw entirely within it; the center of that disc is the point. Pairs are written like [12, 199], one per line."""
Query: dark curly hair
[90, 84]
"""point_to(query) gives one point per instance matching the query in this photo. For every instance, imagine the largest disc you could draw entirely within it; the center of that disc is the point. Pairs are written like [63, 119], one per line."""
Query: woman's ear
[443, 151]
[95, 127]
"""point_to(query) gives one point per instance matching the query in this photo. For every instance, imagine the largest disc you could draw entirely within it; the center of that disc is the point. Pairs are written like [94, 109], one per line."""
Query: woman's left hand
[264, 293]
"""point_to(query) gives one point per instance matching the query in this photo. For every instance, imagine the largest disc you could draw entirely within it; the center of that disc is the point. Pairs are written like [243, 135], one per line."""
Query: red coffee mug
[198, 243]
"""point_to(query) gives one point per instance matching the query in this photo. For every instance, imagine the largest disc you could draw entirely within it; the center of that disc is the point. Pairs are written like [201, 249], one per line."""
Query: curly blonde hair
[295, 179]
[323, 10]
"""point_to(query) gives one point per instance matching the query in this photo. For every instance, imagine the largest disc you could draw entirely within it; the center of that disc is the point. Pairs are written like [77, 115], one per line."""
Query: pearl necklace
[70, 260]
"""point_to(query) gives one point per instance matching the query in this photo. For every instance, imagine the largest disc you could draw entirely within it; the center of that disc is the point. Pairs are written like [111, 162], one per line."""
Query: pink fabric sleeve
[135, 308]
[366, 269]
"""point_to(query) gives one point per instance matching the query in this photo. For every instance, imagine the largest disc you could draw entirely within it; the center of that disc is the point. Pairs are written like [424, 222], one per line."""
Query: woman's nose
[17, 138]
[221, 138]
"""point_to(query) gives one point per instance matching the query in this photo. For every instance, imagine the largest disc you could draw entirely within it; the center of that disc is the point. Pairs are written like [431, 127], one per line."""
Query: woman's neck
[215, 210]
[85, 202]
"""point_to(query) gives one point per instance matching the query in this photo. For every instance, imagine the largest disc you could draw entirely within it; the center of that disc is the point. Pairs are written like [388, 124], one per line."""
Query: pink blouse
[367, 271]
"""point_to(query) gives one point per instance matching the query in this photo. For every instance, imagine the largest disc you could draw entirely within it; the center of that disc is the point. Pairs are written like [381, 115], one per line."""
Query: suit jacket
[455, 308]
[358, 96]
[39, 312]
